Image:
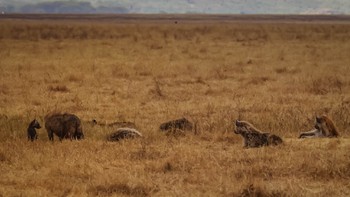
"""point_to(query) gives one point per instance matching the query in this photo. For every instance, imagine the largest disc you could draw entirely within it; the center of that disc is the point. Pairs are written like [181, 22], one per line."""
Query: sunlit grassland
[278, 76]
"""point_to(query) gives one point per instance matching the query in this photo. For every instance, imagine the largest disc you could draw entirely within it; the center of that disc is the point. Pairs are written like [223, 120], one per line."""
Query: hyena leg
[50, 134]
[245, 143]
[70, 136]
[63, 134]
[310, 134]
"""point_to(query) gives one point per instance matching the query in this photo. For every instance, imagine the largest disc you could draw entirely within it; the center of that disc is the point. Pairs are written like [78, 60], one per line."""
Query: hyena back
[124, 133]
[253, 137]
[181, 123]
[64, 126]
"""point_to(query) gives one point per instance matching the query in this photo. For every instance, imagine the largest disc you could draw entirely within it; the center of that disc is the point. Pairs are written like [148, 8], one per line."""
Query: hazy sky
[187, 6]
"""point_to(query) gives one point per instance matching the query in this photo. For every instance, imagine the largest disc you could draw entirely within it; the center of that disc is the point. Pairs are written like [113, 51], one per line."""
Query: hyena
[274, 140]
[124, 133]
[64, 126]
[31, 132]
[324, 127]
[181, 123]
[253, 137]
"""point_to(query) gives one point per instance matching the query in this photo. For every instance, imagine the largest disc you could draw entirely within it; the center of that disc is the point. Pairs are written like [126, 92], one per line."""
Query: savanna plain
[276, 75]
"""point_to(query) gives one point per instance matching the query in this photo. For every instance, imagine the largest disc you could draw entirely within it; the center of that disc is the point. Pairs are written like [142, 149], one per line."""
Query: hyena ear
[237, 122]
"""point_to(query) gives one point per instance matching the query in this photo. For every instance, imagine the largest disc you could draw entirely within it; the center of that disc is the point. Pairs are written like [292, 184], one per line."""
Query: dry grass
[277, 76]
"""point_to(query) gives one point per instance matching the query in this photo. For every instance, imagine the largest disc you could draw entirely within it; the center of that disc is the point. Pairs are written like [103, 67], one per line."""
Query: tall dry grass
[277, 76]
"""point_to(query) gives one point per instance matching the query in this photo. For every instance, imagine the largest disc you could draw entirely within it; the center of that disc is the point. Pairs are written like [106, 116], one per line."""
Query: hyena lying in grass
[31, 132]
[177, 127]
[64, 126]
[253, 137]
[324, 127]
[124, 133]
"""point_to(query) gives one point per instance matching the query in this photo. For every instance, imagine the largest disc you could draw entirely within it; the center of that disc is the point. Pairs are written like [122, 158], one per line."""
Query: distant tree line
[63, 7]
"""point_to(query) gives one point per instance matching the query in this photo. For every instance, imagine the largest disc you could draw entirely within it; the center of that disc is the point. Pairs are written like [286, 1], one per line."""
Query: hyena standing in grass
[253, 137]
[324, 127]
[31, 132]
[64, 126]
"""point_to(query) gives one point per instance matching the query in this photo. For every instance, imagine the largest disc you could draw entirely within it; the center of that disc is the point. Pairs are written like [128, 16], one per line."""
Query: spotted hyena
[324, 127]
[181, 123]
[64, 126]
[253, 137]
[124, 133]
[31, 131]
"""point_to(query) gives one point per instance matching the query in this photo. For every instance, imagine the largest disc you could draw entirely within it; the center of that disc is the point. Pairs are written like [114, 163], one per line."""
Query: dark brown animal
[124, 133]
[182, 124]
[31, 132]
[64, 126]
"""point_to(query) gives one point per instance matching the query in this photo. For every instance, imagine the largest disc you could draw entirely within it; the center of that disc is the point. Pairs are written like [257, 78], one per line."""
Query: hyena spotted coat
[124, 133]
[181, 123]
[324, 127]
[253, 138]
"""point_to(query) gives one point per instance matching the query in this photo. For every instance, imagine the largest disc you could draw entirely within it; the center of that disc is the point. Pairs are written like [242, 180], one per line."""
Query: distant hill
[178, 6]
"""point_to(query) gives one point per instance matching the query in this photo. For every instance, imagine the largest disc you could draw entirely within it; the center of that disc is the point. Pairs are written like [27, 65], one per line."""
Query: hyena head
[326, 126]
[319, 123]
[241, 127]
[35, 124]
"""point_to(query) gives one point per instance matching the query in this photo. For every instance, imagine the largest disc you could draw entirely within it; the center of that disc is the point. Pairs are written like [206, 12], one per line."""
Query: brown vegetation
[277, 75]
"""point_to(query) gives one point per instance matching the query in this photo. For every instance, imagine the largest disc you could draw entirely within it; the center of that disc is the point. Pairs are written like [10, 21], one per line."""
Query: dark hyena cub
[181, 123]
[31, 132]
[253, 137]
[177, 127]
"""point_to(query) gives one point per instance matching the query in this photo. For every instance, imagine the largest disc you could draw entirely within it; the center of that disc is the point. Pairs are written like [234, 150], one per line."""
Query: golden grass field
[276, 75]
